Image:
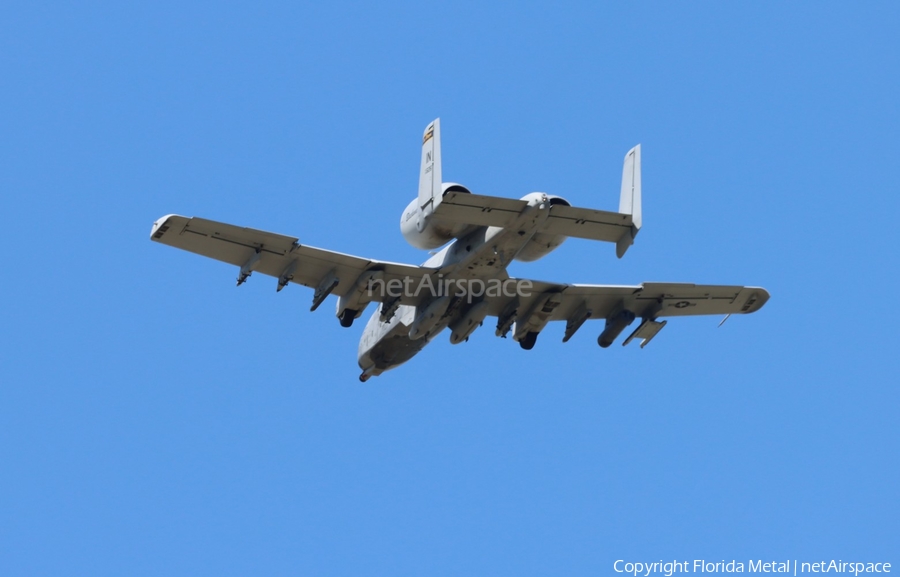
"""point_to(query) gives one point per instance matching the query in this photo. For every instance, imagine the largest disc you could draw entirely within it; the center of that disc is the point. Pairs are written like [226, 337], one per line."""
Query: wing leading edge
[619, 306]
[279, 256]
[525, 312]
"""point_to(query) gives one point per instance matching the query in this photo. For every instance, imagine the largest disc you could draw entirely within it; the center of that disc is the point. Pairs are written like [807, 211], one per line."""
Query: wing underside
[646, 300]
[275, 255]
[619, 306]
[531, 305]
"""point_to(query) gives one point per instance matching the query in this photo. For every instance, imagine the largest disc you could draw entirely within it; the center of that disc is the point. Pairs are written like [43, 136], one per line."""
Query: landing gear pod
[468, 322]
[351, 305]
[614, 327]
[429, 317]
[527, 342]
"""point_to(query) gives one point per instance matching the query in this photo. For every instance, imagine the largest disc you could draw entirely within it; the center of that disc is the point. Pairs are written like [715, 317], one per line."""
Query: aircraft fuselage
[484, 253]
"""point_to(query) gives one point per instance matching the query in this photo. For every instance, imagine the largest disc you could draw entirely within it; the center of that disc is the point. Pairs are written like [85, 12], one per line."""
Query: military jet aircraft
[466, 281]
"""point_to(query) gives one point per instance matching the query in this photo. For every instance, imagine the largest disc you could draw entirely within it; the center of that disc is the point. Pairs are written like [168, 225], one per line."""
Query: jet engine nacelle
[423, 231]
[541, 244]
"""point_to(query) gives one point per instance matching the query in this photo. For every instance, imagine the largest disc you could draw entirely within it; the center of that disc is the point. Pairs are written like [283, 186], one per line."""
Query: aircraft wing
[577, 303]
[277, 255]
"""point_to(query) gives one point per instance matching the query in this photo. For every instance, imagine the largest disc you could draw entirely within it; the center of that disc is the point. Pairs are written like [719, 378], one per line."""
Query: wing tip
[758, 297]
[160, 226]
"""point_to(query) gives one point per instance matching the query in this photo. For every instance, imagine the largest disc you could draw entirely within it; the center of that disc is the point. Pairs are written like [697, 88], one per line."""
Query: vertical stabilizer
[630, 198]
[430, 169]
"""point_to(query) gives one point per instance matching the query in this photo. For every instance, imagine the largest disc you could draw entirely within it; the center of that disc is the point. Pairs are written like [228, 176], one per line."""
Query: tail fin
[630, 199]
[430, 171]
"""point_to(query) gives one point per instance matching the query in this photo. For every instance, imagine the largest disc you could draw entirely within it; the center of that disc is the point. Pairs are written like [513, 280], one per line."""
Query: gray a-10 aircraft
[466, 281]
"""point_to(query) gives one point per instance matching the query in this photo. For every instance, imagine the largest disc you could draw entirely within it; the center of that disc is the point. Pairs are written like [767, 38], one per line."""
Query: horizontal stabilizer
[480, 210]
[463, 208]
[587, 223]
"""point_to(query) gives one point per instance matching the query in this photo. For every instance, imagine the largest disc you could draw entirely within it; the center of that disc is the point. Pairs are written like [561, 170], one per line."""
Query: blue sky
[156, 420]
